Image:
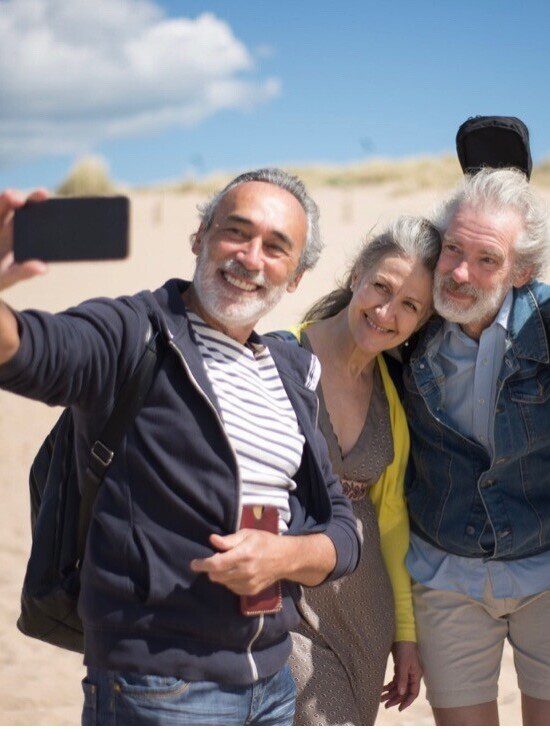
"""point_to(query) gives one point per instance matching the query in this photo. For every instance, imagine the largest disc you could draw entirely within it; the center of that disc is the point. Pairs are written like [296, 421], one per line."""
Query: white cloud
[77, 72]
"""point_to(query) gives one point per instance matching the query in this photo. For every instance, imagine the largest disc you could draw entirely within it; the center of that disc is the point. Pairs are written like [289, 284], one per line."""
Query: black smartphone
[72, 229]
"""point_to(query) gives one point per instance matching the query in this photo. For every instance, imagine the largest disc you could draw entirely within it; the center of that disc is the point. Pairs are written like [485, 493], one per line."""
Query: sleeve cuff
[22, 357]
[347, 551]
[405, 632]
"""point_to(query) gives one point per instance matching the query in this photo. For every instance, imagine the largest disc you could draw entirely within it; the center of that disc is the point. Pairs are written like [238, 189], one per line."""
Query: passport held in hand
[268, 600]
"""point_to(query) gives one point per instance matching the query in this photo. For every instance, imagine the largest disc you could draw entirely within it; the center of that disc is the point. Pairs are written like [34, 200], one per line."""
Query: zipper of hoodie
[317, 413]
[172, 344]
[250, 657]
[180, 356]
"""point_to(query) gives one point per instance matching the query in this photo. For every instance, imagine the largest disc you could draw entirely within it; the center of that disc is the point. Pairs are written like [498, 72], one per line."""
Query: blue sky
[162, 91]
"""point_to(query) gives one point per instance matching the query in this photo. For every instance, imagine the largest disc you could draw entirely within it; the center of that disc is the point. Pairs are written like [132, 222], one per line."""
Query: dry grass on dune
[90, 176]
[406, 175]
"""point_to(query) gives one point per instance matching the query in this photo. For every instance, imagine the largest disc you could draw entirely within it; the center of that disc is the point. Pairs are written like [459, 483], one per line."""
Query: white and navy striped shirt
[259, 420]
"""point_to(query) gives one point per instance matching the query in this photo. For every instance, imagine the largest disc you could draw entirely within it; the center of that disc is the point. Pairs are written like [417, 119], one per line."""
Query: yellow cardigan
[388, 497]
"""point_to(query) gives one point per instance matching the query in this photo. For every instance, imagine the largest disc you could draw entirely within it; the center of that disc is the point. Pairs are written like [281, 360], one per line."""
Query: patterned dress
[341, 647]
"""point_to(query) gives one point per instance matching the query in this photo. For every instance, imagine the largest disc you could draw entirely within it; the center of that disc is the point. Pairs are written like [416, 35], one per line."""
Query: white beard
[230, 310]
[484, 306]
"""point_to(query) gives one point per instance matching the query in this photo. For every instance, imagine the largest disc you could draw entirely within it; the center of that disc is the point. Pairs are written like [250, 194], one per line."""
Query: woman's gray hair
[290, 183]
[407, 237]
[498, 191]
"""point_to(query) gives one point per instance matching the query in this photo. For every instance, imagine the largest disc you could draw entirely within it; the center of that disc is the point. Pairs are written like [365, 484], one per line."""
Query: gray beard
[218, 305]
[485, 306]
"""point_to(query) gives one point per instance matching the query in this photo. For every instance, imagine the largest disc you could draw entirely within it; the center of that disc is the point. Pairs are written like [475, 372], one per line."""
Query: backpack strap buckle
[102, 453]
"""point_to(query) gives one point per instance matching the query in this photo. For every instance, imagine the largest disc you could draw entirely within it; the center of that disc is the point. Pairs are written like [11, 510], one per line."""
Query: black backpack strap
[128, 404]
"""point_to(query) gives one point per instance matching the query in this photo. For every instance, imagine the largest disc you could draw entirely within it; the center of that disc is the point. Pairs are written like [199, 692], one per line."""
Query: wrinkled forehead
[472, 226]
[405, 275]
[262, 203]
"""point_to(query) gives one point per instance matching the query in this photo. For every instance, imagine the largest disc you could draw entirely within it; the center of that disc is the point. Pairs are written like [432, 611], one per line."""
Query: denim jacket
[453, 486]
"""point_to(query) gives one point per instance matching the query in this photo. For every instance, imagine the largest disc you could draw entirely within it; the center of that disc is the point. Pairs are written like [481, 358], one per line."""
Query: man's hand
[11, 272]
[405, 686]
[252, 559]
[247, 562]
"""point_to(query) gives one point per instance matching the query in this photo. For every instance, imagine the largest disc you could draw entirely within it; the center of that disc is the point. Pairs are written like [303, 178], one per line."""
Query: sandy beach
[40, 684]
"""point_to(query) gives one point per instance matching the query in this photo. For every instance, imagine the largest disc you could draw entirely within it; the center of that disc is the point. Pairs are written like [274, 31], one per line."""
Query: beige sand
[39, 684]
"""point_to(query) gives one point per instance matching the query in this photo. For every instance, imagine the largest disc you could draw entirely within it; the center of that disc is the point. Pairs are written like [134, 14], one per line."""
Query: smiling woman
[348, 628]
[388, 303]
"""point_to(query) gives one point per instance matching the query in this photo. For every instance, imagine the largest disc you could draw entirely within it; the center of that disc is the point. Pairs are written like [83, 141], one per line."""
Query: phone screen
[72, 229]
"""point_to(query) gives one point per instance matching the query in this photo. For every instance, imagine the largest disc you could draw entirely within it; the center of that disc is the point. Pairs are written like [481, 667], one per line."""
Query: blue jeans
[115, 699]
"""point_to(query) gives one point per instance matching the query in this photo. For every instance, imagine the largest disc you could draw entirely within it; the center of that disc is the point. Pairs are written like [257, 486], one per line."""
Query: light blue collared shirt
[471, 371]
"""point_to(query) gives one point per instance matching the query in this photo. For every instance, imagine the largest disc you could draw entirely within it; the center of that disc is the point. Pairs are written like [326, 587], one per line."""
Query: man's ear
[196, 240]
[522, 276]
[293, 285]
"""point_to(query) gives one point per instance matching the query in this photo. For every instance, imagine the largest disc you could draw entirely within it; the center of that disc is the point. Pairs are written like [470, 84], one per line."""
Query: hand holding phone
[10, 271]
[72, 229]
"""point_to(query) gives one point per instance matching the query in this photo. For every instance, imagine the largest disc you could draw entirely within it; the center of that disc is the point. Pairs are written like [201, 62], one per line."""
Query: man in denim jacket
[477, 396]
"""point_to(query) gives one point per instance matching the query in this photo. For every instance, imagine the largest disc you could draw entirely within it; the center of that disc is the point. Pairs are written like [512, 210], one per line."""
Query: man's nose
[250, 254]
[461, 273]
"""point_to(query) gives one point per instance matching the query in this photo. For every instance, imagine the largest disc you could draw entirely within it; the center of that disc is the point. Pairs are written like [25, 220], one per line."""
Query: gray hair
[496, 191]
[290, 183]
[407, 236]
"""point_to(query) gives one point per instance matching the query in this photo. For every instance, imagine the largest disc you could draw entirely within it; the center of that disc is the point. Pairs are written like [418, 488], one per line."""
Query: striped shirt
[259, 420]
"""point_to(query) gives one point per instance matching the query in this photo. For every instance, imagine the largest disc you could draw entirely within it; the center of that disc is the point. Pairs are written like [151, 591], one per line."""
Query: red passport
[269, 600]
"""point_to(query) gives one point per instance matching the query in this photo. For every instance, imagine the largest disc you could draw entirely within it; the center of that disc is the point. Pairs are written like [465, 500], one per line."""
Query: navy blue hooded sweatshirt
[173, 482]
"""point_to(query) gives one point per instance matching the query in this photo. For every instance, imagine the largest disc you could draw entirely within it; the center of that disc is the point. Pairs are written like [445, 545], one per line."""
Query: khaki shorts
[461, 640]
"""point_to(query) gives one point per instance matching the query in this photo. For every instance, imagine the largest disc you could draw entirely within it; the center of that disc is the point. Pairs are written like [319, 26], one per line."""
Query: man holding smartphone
[228, 433]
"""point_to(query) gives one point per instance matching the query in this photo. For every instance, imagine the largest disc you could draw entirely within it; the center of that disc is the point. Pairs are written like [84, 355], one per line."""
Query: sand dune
[39, 684]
